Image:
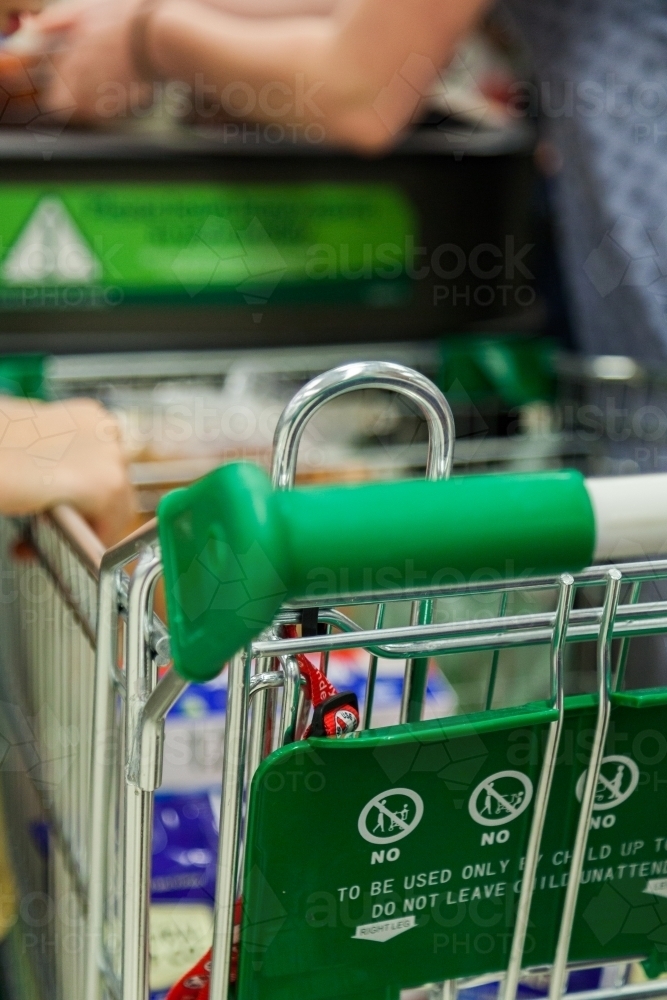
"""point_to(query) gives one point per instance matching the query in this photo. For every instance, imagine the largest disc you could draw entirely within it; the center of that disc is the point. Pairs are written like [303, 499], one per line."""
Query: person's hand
[65, 452]
[93, 474]
[11, 12]
[88, 42]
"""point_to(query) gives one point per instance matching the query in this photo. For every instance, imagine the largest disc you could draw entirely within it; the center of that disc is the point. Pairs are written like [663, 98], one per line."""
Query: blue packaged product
[185, 847]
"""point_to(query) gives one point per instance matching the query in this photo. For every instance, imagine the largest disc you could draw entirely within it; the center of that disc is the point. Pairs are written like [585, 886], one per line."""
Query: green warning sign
[417, 836]
[101, 245]
[388, 860]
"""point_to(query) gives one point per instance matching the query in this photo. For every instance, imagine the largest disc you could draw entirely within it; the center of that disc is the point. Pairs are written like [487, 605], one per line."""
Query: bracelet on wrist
[143, 65]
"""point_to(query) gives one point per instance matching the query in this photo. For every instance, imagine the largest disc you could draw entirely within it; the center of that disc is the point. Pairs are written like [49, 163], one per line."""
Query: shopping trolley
[430, 852]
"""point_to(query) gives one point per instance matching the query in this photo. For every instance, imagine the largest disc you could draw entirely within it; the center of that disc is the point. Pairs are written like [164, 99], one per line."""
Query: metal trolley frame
[82, 648]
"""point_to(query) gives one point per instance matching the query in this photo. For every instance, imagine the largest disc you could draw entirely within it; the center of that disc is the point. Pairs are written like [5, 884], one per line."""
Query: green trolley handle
[234, 550]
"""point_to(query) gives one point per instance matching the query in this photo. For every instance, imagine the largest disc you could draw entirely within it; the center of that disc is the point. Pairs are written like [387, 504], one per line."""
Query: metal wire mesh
[48, 626]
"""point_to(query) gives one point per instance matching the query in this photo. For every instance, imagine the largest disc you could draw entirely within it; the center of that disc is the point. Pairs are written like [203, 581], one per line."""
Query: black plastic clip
[340, 700]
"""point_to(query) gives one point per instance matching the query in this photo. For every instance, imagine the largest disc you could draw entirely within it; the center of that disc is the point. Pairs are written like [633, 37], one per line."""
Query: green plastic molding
[234, 550]
[23, 375]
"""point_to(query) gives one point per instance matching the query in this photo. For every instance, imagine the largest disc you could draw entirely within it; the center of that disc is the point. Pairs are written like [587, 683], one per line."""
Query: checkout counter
[225, 238]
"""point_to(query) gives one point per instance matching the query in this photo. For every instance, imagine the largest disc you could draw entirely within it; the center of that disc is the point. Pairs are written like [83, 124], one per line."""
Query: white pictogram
[656, 887]
[618, 778]
[500, 798]
[51, 249]
[390, 816]
[385, 930]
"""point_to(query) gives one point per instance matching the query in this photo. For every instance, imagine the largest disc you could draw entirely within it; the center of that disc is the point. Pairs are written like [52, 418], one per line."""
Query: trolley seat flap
[379, 862]
[335, 895]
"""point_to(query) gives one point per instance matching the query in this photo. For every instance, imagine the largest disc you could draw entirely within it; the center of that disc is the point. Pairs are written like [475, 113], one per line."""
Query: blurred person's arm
[364, 71]
[360, 72]
[65, 452]
[275, 8]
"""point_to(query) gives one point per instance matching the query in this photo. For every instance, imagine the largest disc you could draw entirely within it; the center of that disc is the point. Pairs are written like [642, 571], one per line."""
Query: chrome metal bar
[256, 725]
[408, 679]
[487, 624]
[233, 767]
[270, 681]
[159, 634]
[593, 576]
[370, 691]
[141, 676]
[547, 770]
[363, 375]
[133, 544]
[101, 774]
[445, 991]
[112, 594]
[324, 661]
[263, 709]
[302, 711]
[372, 674]
[159, 642]
[163, 695]
[484, 633]
[624, 648]
[493, 673]
[260, 684]
[422, 614]
[290, 706]
[383, 375]
[144, 767]
[148, 367]
[559, 971]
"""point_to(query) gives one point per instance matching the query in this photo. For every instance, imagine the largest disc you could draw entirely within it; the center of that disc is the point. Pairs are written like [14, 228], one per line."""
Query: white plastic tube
[630, 516]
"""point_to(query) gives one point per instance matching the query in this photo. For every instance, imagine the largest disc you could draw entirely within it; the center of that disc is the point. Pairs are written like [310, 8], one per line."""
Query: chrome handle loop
[364, 375]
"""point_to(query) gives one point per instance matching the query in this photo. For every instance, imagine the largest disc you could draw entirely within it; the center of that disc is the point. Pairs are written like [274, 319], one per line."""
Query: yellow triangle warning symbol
[50, 249]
